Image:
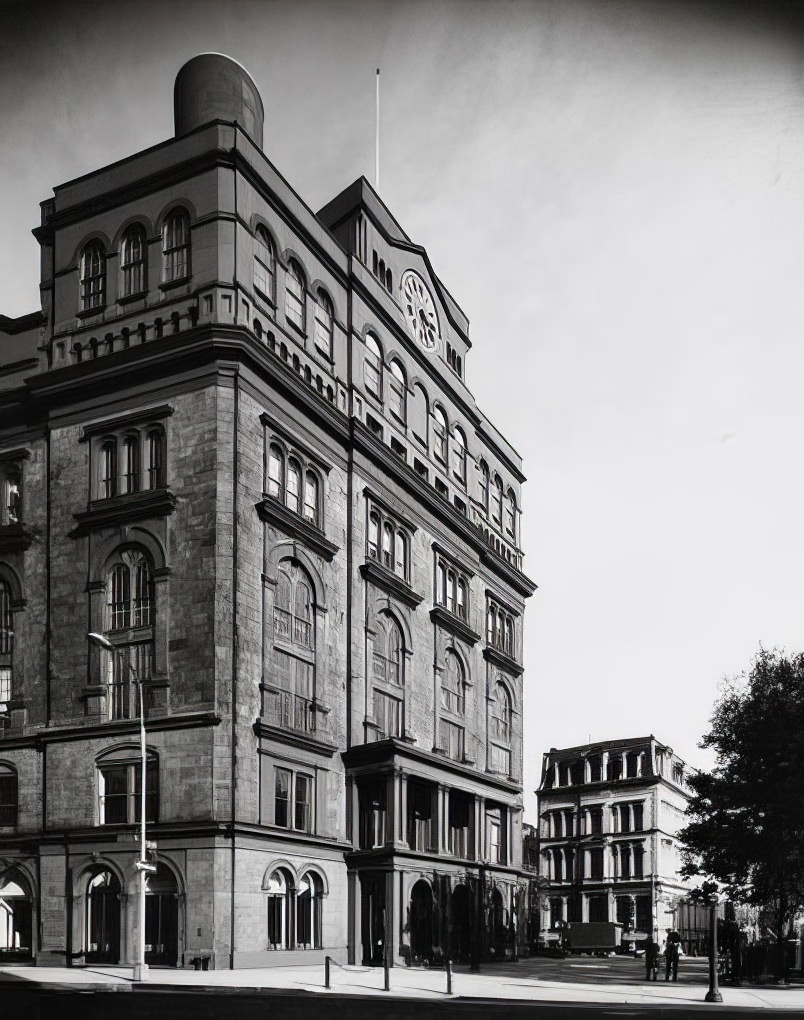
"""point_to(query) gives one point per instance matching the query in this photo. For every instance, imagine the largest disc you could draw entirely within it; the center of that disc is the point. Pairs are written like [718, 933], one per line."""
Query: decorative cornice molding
[375, 572]
[272, 512]
[453, 623]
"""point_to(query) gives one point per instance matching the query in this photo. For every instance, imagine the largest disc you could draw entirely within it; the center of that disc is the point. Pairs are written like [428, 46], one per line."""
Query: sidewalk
[408, 983]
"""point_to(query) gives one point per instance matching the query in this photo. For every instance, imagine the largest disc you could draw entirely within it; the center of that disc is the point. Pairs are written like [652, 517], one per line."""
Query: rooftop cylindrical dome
[211, 87]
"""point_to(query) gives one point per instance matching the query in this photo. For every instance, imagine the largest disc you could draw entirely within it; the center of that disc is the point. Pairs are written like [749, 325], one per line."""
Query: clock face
[420, 311]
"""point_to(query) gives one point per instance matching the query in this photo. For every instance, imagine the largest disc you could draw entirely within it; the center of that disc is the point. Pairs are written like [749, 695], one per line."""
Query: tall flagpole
[377, 138]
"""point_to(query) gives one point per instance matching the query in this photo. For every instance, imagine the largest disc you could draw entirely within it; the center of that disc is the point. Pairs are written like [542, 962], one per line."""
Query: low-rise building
[609, 815]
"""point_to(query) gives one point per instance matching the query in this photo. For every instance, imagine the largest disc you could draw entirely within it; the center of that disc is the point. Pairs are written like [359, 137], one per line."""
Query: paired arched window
[120, 461]
[452, 588]
[372, 366]
[264, 265]
[132, 262]
[453, 685]
[459, 455]
[324, 321]
[93, 277]
[291, 687]
[176, 247]
[293, 483]
[130, 614]
[9, 796]
[397, 392]
[294, 295]
[294, 913]
[6, 646]
[500, 631]
[439, 434]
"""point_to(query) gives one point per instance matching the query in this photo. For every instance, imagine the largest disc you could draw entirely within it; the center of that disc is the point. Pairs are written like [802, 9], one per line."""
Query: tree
[746, 818]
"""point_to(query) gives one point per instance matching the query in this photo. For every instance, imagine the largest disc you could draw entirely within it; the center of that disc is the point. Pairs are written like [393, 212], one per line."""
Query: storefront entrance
[103, 918]
[162, 919]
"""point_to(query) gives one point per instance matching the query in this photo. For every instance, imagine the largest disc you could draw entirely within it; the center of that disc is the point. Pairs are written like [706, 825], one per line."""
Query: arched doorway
[497, 929]
[460, 929]
[421, 921]
[102, 922]
[162, 919]
[16, 920]
[280, 916]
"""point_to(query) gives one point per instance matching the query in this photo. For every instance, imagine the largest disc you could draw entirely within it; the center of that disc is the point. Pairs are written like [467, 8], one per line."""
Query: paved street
[539, 987]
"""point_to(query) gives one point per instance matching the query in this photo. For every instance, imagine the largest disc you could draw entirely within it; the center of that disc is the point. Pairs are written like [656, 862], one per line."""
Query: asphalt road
[601, 969]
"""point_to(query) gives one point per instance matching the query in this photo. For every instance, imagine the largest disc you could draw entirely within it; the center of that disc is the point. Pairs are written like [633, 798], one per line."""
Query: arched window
[130, 627]
[388, 652]
[309, 900]
[6, 646]
[294, 295]
[496, 501]
[9, 797]
[293, 486]
[452, 685]
[439, 434]
[324, 318]
[176, 247]
[290, 691]
[484, 487]
[280, 893]
[373, 366]
[156, 459]
[276, 471]
[264, 265]
[132, 262]
[397, 392]
[459, 455]
[501, 714]
[510, 514]
[311, 497]
[108, 469]
[374, 535]
[401, 554]
[131, 463]
[93, 277]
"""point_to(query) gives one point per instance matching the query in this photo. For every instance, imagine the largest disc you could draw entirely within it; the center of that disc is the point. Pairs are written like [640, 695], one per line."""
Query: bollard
[326, 972]
[449, 976]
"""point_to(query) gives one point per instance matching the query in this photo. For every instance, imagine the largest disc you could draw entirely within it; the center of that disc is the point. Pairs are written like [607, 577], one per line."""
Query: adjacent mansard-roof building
[237, 443]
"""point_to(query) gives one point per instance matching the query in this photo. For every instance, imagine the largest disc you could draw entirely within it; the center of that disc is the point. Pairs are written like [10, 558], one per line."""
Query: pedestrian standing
[651, 960]
[671, 956]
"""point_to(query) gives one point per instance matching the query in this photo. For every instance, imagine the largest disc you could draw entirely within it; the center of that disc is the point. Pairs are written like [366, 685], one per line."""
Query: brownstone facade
[237, 443]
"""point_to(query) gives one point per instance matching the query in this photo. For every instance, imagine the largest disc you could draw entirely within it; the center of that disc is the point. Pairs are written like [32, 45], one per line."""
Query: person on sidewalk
[671, 955]
[651, 960]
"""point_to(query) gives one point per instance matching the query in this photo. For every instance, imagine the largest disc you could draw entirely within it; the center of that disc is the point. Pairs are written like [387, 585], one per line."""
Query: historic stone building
[609, 813]
[237, 443]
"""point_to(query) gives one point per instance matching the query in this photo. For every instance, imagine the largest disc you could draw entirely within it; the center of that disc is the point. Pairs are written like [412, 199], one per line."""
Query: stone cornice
[273, 512]
[453, 623]
[375, 572]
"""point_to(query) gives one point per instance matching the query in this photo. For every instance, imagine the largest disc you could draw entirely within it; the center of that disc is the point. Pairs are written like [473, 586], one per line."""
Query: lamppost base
[140, 972]
[712, 996]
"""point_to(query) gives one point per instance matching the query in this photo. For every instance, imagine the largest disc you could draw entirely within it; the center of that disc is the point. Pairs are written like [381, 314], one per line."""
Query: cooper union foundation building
[237, 448]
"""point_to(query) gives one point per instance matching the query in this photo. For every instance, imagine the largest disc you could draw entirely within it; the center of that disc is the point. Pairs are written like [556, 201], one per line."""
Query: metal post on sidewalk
[326, 972]
[449, 975]
[713, 995]
[386, 963]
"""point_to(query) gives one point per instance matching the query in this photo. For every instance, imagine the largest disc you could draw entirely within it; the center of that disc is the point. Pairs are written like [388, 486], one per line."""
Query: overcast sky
[613, 192]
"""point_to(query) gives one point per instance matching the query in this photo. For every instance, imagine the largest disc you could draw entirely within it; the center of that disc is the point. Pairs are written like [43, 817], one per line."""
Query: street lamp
[143, 866]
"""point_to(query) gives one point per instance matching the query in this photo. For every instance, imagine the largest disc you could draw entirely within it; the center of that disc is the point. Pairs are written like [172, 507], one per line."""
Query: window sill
[87, 313]
[15, 538]
[501, 659]
[130, 299]
[453, 623]
[301, 330]
[375, 572]
[174, 284]
[294, 738]
[271, 511]
[104, 513]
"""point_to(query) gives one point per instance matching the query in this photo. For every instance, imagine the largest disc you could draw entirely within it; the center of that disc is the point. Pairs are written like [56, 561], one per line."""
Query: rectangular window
[120, 788]
[11, 510]
[387, 715]
[8, 797]
[596, 863]
[372, 816]
[155, 460]
[500, 760]
[302, 804]
[451, 739]
[637, 810]
[494, 844]
[5, 688]
[282, 798]
[596, 821]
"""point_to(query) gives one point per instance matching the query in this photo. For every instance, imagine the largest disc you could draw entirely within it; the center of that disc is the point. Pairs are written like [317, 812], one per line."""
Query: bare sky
[613, 191]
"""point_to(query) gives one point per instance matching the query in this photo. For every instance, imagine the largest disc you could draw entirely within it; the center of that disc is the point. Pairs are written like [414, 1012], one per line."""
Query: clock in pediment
[420, 311]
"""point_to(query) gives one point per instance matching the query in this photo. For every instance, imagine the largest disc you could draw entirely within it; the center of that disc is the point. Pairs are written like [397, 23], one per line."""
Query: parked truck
[594, 937]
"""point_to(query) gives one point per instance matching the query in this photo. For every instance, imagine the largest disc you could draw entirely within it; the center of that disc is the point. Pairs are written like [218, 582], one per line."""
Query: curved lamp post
[143, 866]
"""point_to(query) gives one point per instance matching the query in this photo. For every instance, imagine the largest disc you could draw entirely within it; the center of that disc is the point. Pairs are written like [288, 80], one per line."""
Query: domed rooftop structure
[212, 87]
